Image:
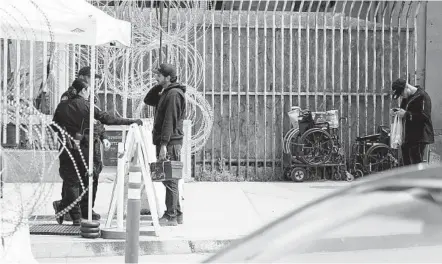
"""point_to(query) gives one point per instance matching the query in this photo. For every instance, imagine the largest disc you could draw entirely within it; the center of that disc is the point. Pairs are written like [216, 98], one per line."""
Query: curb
[80, 247]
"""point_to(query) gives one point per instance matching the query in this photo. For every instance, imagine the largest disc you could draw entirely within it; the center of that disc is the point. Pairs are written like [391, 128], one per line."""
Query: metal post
[422, 44]
[133, 215]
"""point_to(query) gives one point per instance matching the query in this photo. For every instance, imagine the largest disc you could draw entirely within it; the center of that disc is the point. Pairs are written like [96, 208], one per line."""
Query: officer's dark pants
[98, 167]
[172, 193]
[413, 153]
[71, 189]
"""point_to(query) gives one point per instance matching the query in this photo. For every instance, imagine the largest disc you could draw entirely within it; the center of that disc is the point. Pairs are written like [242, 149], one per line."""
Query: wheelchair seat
[368, 138]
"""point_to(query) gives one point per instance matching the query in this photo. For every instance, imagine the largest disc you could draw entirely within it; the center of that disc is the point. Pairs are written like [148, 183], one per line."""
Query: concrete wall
[433, 67]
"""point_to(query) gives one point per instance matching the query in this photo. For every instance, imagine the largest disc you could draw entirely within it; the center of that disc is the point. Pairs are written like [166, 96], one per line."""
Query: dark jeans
[173, 206]
[71, 188]
[413, 153]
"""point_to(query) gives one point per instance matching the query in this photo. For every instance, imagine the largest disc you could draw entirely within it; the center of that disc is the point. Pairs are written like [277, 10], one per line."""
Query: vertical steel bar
[230, 85]
[341, 68]
[213, 83]
[358, 61]
[300, 13]
[31, 87]
[45, 79]
[221, 92]
[291, 55]
[383, 62]
[17, 92]
[366, 69]
[5, 87]
[324, 58]
[407, 38]
[239, 129]
[195, 76]
[282, 84]
[307, 57]
[349, 116]
[204, 82]
[374, 85]
[265, 88]
[273, 149]
[333, 52]
[391, 55]
[73, 63]
[316, 54]
[248, 91]
[415, 31]
[115, 87]
[256, 84]
[399, 50]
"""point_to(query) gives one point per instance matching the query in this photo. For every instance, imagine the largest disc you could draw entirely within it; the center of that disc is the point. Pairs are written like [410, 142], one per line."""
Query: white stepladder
[136, 150]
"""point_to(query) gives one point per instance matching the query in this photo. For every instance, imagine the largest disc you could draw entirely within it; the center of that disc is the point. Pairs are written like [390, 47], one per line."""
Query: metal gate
[256, 59]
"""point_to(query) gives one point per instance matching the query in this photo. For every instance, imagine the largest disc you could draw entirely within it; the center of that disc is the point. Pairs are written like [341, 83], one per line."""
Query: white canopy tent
[64, 21]
[61, 21]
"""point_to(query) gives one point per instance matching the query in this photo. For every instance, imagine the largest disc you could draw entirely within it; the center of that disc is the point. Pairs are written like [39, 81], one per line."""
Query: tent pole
[91, 133]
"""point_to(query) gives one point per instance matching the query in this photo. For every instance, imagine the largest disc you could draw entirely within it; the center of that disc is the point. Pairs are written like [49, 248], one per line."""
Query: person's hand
[400, 112]
[138, 122]
[393, 112]
[106, 144]
[163, 151]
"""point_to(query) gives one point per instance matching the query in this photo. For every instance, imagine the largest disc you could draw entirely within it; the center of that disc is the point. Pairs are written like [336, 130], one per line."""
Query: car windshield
[380, 225]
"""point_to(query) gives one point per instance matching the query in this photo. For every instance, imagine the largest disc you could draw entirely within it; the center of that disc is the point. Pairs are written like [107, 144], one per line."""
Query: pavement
[215, 214]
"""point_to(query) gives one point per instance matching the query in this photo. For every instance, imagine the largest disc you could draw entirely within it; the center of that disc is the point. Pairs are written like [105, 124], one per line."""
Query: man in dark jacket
[99, 136]
[168, 97]
[415, 110]
[73, 116]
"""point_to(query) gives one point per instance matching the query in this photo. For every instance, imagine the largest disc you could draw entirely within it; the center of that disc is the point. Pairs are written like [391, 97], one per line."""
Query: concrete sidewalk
[215, 214]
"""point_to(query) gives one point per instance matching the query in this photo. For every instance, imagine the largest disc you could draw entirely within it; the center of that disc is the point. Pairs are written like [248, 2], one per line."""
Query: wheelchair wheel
[298, 174]
[317, 146]
[378, 158]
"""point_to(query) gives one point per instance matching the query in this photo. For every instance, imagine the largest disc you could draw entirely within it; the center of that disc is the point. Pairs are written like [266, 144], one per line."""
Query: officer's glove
[138, 122]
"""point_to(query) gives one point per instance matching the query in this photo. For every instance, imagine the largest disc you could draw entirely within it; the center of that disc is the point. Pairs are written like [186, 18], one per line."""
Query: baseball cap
[86, 71]
[166, 70]
[398, 87]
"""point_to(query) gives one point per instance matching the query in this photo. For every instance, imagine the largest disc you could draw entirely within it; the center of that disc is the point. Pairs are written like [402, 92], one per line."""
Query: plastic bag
[396, 133]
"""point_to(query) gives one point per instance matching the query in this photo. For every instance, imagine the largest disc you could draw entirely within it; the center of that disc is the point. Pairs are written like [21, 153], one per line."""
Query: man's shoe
[168, 221]
[95, 216]
[144, 212]
[56, 205]
[179, 218]
[67, 217]
[76, 222]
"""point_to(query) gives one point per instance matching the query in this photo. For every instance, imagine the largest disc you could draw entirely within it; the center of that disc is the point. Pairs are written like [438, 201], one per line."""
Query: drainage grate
[54, 229]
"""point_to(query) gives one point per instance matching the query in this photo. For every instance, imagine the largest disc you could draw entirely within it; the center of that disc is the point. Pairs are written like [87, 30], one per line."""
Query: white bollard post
[133, 215]
[120, 186]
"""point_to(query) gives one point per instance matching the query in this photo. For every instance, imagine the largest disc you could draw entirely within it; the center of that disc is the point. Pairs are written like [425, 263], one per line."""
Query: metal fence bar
[247, 176]
[358, 61]
[316, 55]
[307, 67]
[230, 85]
[341, 68]
[5, 88]
[282, 86]
[333, 41]
[273, 149]
[399, 75]
[265, 88]
[31, 87]
[45, 79]
[291, 55]
[366, 69]
[375, 66]
[256, 85]
[350, 119]
[391, 55]
[204, 80]
[415, 31]
[299, 53]
[17, 85]
[324, 58]
[383, 55]
[239, 90]
[213, 81]
[407, 36]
